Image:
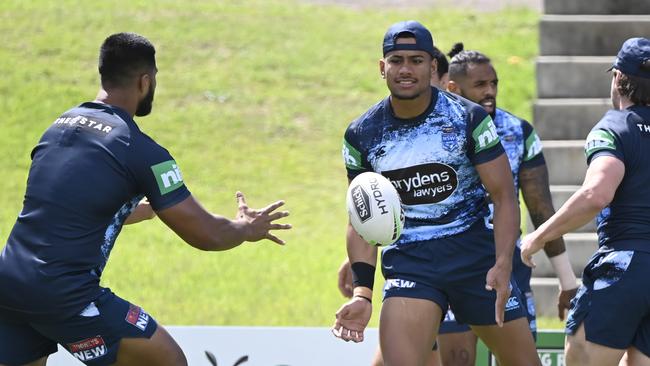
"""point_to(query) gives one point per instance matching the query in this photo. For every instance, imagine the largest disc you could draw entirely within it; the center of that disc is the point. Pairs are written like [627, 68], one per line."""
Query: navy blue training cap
[633, 53]
[411, 28]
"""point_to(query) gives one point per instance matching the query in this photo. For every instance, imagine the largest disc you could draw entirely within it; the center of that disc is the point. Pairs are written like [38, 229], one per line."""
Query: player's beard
[146, 104]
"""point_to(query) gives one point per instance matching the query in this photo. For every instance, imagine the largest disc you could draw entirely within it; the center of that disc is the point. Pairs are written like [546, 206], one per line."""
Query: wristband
[364, 297]
[363, 274]
[564, 271]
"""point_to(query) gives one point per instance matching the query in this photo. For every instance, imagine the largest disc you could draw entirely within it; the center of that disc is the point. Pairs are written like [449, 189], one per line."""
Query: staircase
[578, 43]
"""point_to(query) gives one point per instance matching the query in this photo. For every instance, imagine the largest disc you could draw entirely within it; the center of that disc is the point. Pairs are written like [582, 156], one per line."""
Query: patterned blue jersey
[625, 135]
[88, 172]
[429, 159]
[520, 141]
[524, 150]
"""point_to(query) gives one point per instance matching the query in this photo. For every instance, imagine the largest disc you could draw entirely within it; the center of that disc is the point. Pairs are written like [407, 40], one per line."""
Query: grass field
[252, 95]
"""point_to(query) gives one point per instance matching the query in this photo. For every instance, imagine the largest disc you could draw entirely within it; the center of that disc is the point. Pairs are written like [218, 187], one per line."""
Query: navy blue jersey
[625, 135]
[89, 171]
[429, 159]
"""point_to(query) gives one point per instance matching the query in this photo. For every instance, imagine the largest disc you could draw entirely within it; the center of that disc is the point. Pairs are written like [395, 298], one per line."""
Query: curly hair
[635, 88]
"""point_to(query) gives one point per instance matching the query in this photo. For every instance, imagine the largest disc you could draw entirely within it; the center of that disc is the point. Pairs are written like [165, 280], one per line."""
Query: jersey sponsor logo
[102, 128]
[533, 146]
[599, 140]
[361, 201]
[485, 135]
[351, 156]
[423, 184]
[137, 317]
[168, 176]
[513, 303]
[88, 349]
[449, 138]
[397, 283]
[645, 129]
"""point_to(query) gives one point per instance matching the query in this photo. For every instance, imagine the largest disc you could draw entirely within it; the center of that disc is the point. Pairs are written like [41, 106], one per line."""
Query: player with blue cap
[608, 320]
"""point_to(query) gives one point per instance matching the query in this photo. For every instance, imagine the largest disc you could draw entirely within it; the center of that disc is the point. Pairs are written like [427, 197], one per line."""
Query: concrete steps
[573, 76]
[565, 160]
[597, 7]
[559, 195]
[568, 118]
[544, 283]
[580, 247]
[589, 35]
[545, 293]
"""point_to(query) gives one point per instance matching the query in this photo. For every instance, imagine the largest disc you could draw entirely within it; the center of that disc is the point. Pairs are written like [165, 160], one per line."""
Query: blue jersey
[625, 135]
[89, 171]
[524, 150]
[430, 160]
[520, 141]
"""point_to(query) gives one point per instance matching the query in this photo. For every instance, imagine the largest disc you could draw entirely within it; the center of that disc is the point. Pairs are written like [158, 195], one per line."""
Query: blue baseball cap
[633, 53]
[410, 28]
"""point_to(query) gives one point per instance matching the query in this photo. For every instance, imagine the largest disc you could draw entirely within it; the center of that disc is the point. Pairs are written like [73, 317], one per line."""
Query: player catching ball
[89, 172]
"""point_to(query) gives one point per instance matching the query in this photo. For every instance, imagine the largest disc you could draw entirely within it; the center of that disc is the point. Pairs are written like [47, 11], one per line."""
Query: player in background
[447, 255]
[440, 78]
[472, 75]
[609, 314]
[89, 171]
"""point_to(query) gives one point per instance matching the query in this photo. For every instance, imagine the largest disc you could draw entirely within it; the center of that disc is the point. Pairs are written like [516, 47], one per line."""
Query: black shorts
[92, 336]
[613, 301]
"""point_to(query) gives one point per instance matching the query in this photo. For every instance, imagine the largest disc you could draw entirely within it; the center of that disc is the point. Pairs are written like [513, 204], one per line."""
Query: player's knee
[575, 354]
[458, 357]
[176, 357]
[181, 360]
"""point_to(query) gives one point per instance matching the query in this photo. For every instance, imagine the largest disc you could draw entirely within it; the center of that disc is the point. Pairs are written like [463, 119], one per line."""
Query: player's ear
[444, 81]
[144, 83]
[453, 87]
[434, 67]
[382, 68]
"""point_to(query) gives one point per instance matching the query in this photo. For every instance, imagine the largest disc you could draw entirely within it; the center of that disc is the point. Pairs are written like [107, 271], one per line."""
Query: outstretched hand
[352, 319]
[260, 222]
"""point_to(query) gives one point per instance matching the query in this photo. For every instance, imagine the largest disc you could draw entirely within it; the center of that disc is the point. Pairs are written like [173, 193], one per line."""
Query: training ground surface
[483, 5]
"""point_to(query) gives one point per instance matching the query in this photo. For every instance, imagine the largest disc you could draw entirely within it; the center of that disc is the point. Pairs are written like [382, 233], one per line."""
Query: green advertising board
[550, 347]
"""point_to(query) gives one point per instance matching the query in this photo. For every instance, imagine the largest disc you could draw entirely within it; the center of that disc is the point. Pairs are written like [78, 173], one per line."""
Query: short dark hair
[123, 56]
[460, 59]
[635, 88]
[443, 64]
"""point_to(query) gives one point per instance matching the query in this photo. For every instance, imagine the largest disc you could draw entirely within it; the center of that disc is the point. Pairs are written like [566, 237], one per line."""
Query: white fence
[261, 346]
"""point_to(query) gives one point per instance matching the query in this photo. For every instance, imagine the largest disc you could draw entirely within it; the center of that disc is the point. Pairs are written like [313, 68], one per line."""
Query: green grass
[252, 95]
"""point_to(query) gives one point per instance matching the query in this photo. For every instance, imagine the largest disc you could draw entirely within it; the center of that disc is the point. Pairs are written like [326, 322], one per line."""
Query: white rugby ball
[375, 209]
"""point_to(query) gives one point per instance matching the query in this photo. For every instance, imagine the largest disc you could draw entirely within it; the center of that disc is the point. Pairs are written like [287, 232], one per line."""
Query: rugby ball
[375, 209]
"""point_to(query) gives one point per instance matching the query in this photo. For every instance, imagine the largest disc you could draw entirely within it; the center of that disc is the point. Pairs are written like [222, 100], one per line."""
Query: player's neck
[118, 99]
[410, 108]
[624, 103]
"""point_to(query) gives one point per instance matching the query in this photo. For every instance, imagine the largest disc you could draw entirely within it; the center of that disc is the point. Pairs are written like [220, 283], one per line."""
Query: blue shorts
[451, 325]
[92, 336]
[451, 272]
[522, 274]
[613, 301]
